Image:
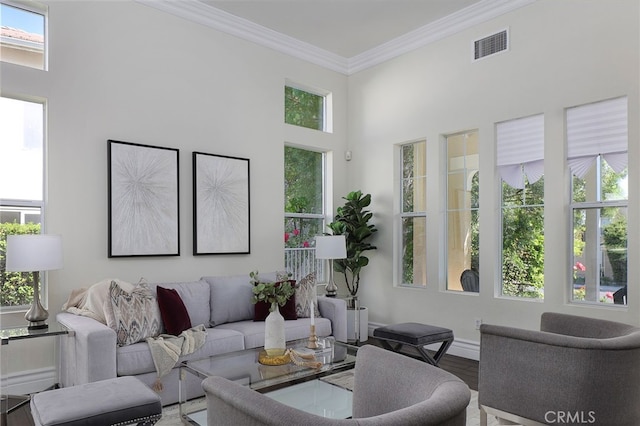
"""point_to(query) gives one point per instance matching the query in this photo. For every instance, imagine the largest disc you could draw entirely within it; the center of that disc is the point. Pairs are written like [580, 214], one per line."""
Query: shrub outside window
[305, 109]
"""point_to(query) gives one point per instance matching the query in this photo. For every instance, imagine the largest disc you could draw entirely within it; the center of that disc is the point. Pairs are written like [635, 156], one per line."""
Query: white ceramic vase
[274, 340]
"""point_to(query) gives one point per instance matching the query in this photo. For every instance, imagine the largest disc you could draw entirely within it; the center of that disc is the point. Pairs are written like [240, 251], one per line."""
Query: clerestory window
[307, 108]
[23, 36]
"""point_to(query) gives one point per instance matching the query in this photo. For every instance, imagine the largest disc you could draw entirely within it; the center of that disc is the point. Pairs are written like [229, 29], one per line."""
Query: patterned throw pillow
[134, 316]
[305, 295]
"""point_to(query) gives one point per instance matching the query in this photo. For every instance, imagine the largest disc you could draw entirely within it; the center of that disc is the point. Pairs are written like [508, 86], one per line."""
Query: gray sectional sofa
[221, 303]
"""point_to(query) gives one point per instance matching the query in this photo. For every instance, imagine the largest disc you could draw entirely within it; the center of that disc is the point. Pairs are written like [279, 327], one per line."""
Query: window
[597, 156]
[21, 198]
[304, 217]
[22, 37]
[307, 108]
[520, 160]
[413, 216]
[463, 239]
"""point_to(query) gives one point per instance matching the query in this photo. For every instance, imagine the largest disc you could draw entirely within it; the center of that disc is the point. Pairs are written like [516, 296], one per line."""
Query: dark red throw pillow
[173, 312]
[288, 311]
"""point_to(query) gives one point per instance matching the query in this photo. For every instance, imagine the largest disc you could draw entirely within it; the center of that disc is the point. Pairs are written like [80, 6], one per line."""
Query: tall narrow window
[21, 194]
[463, 238]
[22, 35]
[597, 155]
[306, 108]
[520, 160]
[413, 214]
[304, 217]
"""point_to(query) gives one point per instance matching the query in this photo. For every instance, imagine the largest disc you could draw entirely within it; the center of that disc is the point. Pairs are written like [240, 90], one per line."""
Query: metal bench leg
[426, 355]
[443, 349]
[439, 354]
[389, 346]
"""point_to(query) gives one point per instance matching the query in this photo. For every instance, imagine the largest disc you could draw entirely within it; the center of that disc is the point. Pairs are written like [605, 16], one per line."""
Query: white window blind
[520, 148]
[597, 129]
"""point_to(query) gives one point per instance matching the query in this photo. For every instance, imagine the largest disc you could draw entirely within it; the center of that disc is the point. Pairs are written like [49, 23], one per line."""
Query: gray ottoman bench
[416, 335]
[120, 401]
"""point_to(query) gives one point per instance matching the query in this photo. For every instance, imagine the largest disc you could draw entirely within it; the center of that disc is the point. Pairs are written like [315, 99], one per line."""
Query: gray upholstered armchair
[575, 370]
[389, 389]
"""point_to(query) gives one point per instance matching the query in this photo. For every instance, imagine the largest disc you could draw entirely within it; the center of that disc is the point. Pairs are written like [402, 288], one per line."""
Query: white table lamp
[331, 247]
[34, 253]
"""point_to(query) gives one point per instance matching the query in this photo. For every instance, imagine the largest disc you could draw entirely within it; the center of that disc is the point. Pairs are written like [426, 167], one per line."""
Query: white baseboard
[27, 382]
[460, 347]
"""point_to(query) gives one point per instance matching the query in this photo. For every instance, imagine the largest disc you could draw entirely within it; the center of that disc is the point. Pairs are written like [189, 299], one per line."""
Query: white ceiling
[344, 27]
[346, 36]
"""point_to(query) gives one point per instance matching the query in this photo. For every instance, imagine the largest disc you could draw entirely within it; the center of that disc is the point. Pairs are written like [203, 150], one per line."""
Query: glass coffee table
[278, 381]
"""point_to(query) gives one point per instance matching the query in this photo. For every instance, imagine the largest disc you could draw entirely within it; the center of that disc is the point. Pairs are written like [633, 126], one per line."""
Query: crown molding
[201, 13]
[437, 30]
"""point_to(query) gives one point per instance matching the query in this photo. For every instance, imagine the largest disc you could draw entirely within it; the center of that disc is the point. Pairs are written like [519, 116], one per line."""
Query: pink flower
[609, 295]
[580, 267]
[286, 237]
[305, 244]
[296, 232]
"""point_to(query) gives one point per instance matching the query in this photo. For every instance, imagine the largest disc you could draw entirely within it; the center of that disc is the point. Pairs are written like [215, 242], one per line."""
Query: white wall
[125, 71]
[563, 53]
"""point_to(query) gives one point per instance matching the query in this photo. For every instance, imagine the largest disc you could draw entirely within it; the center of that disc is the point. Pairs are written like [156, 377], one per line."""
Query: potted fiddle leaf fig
[352, 221]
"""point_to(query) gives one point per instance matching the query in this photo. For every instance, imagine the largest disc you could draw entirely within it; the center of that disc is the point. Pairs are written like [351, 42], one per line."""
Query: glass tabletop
[245, 368]
[24, 332]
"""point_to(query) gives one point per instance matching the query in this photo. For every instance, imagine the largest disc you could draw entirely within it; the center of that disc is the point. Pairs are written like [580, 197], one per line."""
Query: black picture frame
[144, 193]
[221, 210]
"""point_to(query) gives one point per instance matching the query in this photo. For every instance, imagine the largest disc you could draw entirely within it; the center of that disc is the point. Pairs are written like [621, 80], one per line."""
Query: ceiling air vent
[490, 45]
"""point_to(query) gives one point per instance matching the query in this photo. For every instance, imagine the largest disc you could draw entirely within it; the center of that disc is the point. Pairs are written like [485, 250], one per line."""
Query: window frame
[605, 132]
[592, 205]
[39, 9]
[13, 204]
[522, 139]
[321, 266]
[448, 173]
[327, 110]
[402, 215]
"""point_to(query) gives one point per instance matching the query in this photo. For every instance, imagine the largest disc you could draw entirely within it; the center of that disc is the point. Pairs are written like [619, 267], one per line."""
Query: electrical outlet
[478, 322]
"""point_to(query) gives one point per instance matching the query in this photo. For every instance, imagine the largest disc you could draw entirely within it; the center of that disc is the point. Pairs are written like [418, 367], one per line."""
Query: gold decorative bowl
[275, 357]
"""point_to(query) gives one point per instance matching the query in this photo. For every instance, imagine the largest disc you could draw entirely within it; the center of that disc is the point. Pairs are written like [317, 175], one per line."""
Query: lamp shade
[331, 247]
[37, 252]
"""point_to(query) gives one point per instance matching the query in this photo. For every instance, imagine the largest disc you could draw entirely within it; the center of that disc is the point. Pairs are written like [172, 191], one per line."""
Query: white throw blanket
[167, 349]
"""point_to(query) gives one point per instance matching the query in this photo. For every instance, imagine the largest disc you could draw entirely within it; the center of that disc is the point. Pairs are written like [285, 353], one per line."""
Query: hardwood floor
[465, 369]
[18, 416]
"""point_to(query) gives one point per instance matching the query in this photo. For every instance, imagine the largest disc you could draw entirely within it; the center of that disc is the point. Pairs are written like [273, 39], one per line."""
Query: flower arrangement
[271, 292]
